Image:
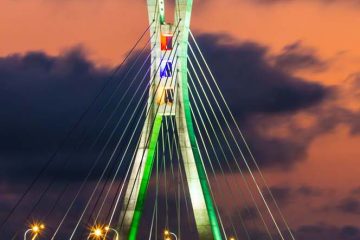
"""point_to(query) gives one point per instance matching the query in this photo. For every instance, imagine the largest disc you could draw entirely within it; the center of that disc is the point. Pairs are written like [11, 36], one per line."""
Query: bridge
[175, 164]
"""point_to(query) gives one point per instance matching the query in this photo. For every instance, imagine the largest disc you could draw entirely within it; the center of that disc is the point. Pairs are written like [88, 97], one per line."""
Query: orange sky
[102, 25]
[108, 28]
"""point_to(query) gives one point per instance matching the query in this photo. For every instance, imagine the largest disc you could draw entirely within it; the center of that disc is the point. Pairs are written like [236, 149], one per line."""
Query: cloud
[281, 194]
[262, 94]
[285, 195]
[314, 232]
[295, 57]
[45, 95]
[322, 231]
[251, 84]
[350, 206]
[309, 191]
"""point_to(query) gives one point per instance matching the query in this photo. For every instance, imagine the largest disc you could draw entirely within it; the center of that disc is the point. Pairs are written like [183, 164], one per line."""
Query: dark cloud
[281, 194]
[328, 232]
[285, 195]
[309, 191]
[251, 84]
[264, 96]
[297, 57]
[315, 232]
[45, 95]
[258, 90]
[350, 206]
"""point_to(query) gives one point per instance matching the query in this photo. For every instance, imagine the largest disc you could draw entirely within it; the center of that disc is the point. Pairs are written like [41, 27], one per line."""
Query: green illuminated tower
[169, 98]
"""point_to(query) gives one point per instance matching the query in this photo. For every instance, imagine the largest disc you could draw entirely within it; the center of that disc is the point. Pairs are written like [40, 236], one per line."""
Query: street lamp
[35, 229]
[167, 235]
[98, 232]
[107, 228]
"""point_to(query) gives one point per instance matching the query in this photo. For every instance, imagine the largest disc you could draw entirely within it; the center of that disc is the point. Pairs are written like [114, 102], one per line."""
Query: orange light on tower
[166, 41]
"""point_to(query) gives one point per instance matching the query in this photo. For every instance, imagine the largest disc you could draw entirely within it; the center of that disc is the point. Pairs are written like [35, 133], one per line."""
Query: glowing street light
[167, 235]
[98, 232]
[35, 229]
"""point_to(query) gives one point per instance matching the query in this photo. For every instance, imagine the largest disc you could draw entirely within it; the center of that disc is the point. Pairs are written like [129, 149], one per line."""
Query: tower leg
[133, 205]
[200, 193]
[197, 199]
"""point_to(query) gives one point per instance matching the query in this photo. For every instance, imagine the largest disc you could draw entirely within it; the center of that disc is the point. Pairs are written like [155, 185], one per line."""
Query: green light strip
[162, 11]
[186, 101]
[200, 168]
[135, 224]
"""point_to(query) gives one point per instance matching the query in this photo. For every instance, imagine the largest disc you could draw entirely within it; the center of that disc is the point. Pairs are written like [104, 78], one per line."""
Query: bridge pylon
[169, 97]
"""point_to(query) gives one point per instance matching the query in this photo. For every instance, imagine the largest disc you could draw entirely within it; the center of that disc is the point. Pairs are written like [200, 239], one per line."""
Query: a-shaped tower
[169, 96]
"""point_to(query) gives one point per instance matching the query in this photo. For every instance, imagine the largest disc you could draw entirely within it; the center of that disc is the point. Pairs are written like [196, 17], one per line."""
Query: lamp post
[99, 231]
[35, 229]
[107, 228]
[167, 235]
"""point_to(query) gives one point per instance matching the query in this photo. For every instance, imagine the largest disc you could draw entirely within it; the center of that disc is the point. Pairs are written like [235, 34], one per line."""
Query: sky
[289, 69]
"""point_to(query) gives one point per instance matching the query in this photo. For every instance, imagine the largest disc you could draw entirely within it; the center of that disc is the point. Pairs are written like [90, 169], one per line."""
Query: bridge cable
[50, 184]
[153, 98]
[246, 144]
[218, 141]
[220, 146]
[177, 146]
[214, 174]
[109, 188]
[80, 189]
[114, 151]
[64, 140]
[113, 179]
[118, 198]
[102, 130]
[211, 192]
[243, 139]
[152, 101]
[108, 178]
[196, 109]
[247, 165]
[232, 153]
[174, 179]
[142, 158]
[147, 142]
[112, 134]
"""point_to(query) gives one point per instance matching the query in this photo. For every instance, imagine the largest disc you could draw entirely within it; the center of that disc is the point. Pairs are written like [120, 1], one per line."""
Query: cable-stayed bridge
[168, 159]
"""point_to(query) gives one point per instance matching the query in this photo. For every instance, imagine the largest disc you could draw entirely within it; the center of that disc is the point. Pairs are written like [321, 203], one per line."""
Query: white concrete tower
[169, 96]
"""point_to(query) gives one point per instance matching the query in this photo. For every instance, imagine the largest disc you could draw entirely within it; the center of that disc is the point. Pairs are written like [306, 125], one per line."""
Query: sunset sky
[309, 149]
